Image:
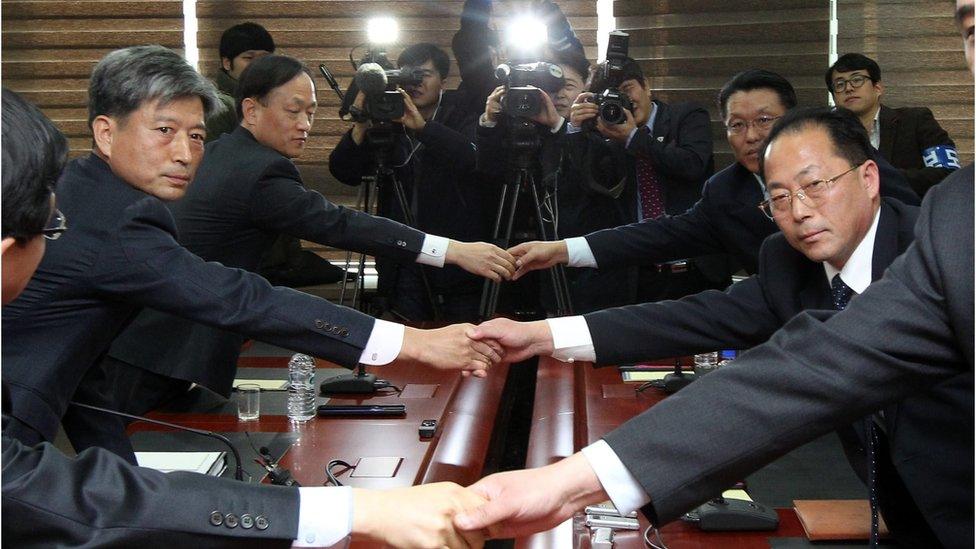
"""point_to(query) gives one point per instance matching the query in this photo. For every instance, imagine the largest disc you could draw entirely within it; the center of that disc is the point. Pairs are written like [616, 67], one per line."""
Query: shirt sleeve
[324, 516]
[625, 492]
[433, 251]
[384, 343]
[571, 340]
[579, 252]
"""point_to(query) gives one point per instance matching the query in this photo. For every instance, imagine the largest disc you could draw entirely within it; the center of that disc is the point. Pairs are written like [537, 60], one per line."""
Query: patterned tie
[841, 295]
[649, 189]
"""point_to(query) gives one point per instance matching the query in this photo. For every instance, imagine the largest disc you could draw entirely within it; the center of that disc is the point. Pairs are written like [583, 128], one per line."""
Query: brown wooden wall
[689, 48]
[49, 49]
[920, 53]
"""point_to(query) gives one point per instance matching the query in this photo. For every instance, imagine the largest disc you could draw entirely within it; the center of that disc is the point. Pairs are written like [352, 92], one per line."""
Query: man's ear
[103, 130]
[227, 63]
[871, 176]
[249, 111]
[880, 87]
[6, 243]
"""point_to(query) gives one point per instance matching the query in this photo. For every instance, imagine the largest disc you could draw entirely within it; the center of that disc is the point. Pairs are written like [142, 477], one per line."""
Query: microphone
[238, 470]
[327, 74]
[502, 71]
[371, 78]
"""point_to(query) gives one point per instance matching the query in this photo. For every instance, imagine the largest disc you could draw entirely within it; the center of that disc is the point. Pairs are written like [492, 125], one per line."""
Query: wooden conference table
[576, 404]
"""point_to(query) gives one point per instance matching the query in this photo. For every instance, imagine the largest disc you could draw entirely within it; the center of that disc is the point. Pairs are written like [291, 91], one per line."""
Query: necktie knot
[840, 293]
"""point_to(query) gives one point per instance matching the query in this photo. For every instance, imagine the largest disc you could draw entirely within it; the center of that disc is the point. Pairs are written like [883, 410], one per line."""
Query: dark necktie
[649, 186]
[841, 295]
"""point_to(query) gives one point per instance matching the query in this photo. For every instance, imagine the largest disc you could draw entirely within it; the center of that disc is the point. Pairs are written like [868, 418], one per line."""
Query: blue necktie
[841, 295]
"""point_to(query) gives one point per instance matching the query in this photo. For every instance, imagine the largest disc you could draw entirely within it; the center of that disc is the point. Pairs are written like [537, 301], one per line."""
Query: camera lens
[612, 113]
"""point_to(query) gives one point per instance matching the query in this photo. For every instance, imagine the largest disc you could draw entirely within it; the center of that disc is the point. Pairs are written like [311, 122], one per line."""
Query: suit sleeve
[147, 266]
[737, 318]
[685, 157]
[928, 134]
[348, 162]
[817, 373]
[690, 234]
[98, 499]
[280, 203]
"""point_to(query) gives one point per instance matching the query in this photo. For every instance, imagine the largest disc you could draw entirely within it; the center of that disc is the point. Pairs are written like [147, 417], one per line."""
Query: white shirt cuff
[433, 251]
[579, 252]
[324, 516]
[384, 343]
[571, 339]
[570, 128]
[485, 123]
[558, 125]
[625, 492]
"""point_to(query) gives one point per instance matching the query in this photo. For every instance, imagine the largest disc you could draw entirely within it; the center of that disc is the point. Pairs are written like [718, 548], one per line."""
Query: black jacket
[907, 135]
[906, 340]
[121, 254]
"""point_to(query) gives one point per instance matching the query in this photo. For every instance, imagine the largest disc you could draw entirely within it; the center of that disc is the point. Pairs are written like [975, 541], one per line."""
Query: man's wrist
[580, 484]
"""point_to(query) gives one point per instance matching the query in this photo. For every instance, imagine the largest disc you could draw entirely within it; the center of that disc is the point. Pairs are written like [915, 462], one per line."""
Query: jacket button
[344, 333]
[401, 244]
[230, 520]
[216, 518]
[260, 522]
[336, 330]
[319, 324]
[247, 521]
[326, 326]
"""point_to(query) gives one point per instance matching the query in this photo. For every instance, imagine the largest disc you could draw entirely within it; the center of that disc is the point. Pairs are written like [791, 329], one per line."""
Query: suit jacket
[438, 181]
[902, 338]
[245, 194]
[726, 219]
[99, 500]
[906, 134]
[120, 255]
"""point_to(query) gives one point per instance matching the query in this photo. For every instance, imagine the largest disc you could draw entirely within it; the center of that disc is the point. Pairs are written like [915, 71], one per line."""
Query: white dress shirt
[572, 341]
[324, 515]
[876, 129]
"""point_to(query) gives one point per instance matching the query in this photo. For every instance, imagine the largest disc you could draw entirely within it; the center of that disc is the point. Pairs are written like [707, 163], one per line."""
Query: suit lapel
[662, 122]
[888, 126]
[885, 242]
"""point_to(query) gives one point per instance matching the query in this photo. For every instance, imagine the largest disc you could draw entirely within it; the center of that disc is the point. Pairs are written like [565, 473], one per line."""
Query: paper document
[648, 376]
[265, 384]
[205, 463]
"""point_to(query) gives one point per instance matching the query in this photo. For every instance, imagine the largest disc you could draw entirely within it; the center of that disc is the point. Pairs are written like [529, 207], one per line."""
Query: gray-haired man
[146, 109]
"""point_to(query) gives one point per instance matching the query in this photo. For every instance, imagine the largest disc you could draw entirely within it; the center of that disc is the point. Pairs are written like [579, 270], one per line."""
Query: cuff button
[230, 520]
[216, 518]
[260, 522]
[247, 521]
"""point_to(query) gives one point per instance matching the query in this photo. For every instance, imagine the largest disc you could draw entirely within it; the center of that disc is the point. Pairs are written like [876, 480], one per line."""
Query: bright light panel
[382, 30]
[526, 33]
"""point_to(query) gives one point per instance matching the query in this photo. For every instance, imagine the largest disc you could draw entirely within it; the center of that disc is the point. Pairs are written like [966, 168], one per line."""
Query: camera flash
[382, 30]
[527, 33]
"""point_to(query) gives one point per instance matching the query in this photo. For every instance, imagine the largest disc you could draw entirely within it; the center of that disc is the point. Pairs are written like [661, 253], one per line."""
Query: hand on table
[482, 259]
[450, 348]
[535, 255]
[419, 516]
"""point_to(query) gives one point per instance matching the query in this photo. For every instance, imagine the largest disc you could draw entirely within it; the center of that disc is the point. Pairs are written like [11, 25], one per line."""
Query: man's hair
[418, 54]
[243, 37]
[847, 135]
[573, 59]
[34, 154]
[261, 77]
[596, 83]
[962, 12]
[757, 79]
[852, 62]
[126, 79]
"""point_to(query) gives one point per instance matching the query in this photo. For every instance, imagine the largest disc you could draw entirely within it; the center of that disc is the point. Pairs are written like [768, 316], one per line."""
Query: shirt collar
[876, 129]
[857, 271]
[762, 186]
[650, 119]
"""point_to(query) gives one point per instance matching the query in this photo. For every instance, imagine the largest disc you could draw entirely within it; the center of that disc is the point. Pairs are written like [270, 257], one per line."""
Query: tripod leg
[557, 276]
[401, 197]
[509, 198]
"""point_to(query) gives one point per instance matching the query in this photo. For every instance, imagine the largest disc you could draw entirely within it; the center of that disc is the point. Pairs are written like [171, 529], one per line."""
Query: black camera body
[611, 101]
[388, 103]
[525, 83]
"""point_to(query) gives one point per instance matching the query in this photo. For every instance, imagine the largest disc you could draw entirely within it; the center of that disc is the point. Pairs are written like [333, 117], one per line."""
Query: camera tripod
[524, 144]
[380, 139]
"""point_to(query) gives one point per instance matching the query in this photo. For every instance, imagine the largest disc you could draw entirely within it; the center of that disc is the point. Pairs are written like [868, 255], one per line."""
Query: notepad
[837, 519]
[736, 494]
[648, 376]
[265, 384]
[205, 463]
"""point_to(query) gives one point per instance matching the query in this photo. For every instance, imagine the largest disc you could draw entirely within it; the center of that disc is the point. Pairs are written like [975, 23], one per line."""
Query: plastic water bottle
[301, 391]
[705, 363]
[726, 357]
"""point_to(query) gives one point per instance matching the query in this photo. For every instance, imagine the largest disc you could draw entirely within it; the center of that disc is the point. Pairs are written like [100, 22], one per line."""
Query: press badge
[941, 156]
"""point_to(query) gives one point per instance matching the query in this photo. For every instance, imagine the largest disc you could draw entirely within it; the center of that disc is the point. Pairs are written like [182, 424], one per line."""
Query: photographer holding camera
[432, 155]
[649, 157]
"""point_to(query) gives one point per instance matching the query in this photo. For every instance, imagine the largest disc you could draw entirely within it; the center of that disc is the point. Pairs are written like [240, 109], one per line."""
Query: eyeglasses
[812, 194]
[761, 123]
[56, 226]
[855, 81]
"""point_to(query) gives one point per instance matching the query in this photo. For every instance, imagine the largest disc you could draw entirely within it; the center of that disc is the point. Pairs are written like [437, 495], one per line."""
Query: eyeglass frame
[766, 206]
[753, 123]
[56, 226]
[843, 82]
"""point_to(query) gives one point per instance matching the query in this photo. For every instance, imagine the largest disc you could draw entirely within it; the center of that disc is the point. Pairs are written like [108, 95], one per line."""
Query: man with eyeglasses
[908, 137]
[725, 219]
[837, 236]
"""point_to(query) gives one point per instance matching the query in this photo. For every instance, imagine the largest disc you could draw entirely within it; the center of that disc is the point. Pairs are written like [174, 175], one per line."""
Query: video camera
[379, 84]
[611, 101]
[524, 84]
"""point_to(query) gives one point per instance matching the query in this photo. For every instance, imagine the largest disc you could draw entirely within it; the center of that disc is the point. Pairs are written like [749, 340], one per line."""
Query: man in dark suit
[837, 236]
[908, 337]
[51, 500]
[726, 219]
[908, 137]
[246, 191]
[146, 108]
